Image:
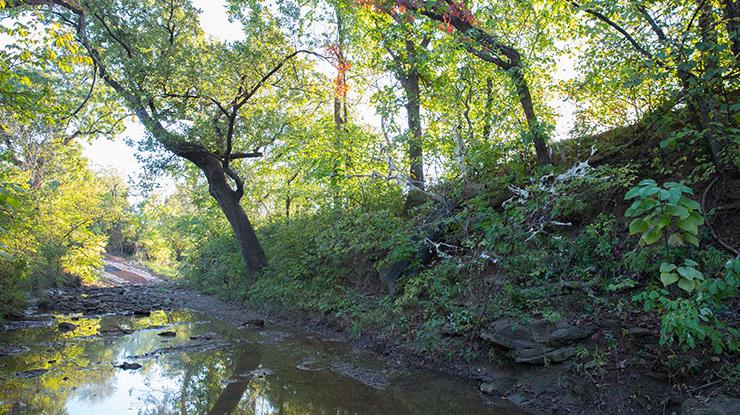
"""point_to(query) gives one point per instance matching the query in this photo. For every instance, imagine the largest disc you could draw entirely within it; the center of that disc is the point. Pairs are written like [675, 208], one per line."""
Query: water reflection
[240, 371]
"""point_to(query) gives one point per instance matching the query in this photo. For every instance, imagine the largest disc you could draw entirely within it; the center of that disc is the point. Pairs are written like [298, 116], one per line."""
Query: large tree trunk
[702, 92]
[214, 168]
[486, 47]
[535, 129]
[732, 22]
[228, 199]
[410, 82]
[413, 113]
[340, 105]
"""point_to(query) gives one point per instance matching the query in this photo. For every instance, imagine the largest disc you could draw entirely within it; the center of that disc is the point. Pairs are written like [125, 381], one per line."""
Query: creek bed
[186, 363]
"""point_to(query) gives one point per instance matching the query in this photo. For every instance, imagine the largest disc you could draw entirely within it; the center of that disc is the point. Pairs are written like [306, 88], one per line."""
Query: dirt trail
[119, 272]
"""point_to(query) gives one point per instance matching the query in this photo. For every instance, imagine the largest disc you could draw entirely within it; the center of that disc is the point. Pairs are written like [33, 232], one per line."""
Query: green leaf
[689, 225]
[651, 237]
[686, 285]
[733, 265]
[678, 187]
[693, 240]
[666, 267]
[689, 203]
[668, 278]
[675, 239]
[647, 182]
[638, 226]
[649, 191]
[678, 211]
[633, 193]
[690, 263]
[690, 273]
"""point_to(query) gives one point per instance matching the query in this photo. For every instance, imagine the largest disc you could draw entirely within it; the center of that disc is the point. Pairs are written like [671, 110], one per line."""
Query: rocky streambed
[144, 345]
[137, 349]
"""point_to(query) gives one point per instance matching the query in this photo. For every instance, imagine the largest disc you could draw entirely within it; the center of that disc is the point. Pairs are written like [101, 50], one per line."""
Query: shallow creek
[191, 364]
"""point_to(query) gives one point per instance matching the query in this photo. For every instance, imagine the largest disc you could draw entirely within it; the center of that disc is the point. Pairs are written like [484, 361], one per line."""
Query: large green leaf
[690, 273]
[693, 240]
[690, 263]
[678, 211]
[647, 182]
[689, 204]
[632, 193]
[686, 285]
[668, 278]
[651, 237]
[666, 267]
[689, 225]
[638, 226]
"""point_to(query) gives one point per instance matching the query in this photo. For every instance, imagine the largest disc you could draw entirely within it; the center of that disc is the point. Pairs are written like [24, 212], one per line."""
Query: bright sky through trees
[117, 155]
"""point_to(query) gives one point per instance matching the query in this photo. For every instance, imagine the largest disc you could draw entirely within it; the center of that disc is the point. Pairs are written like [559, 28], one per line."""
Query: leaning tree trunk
[229, 201]
[214, 168]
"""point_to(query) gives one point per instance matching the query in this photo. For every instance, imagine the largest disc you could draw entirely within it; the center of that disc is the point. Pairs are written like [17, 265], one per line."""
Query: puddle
[209, 367]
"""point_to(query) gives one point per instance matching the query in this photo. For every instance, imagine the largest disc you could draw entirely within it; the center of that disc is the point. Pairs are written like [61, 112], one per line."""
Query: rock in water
[129, 366]
[538, 341]
[167, 334]
[31, 373]
[498, 386]
[66, 327]
[256, 322]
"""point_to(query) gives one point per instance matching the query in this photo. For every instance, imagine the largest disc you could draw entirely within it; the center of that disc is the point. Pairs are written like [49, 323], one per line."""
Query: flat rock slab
[537, 341]
[719, 405]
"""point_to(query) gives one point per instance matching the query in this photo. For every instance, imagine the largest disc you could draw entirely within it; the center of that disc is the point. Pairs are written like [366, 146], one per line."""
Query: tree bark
[486, 47]
[215, 168]
[535, 129]
[229, 201]
[413, 115]
[488, 109]
[732, 22]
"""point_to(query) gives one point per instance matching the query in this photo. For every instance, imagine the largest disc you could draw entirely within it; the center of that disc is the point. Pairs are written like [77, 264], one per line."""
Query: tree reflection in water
[257, 375]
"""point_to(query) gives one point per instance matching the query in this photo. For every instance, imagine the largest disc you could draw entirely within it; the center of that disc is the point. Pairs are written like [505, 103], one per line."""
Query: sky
[116, 155]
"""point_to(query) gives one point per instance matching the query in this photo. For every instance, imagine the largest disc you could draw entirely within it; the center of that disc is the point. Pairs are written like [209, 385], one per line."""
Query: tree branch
[619, 29]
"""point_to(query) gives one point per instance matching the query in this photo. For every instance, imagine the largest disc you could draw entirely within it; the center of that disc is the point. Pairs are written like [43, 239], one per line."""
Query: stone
[167, 334]
[719, 405]
[206, 336]
[537, 341]
[497, 387]
[639, 332]
[255, 322]
[31, 373]
[129, 366]
[65, 327]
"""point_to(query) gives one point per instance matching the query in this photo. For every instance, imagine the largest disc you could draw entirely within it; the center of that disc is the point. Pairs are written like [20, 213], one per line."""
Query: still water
[209, 367]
